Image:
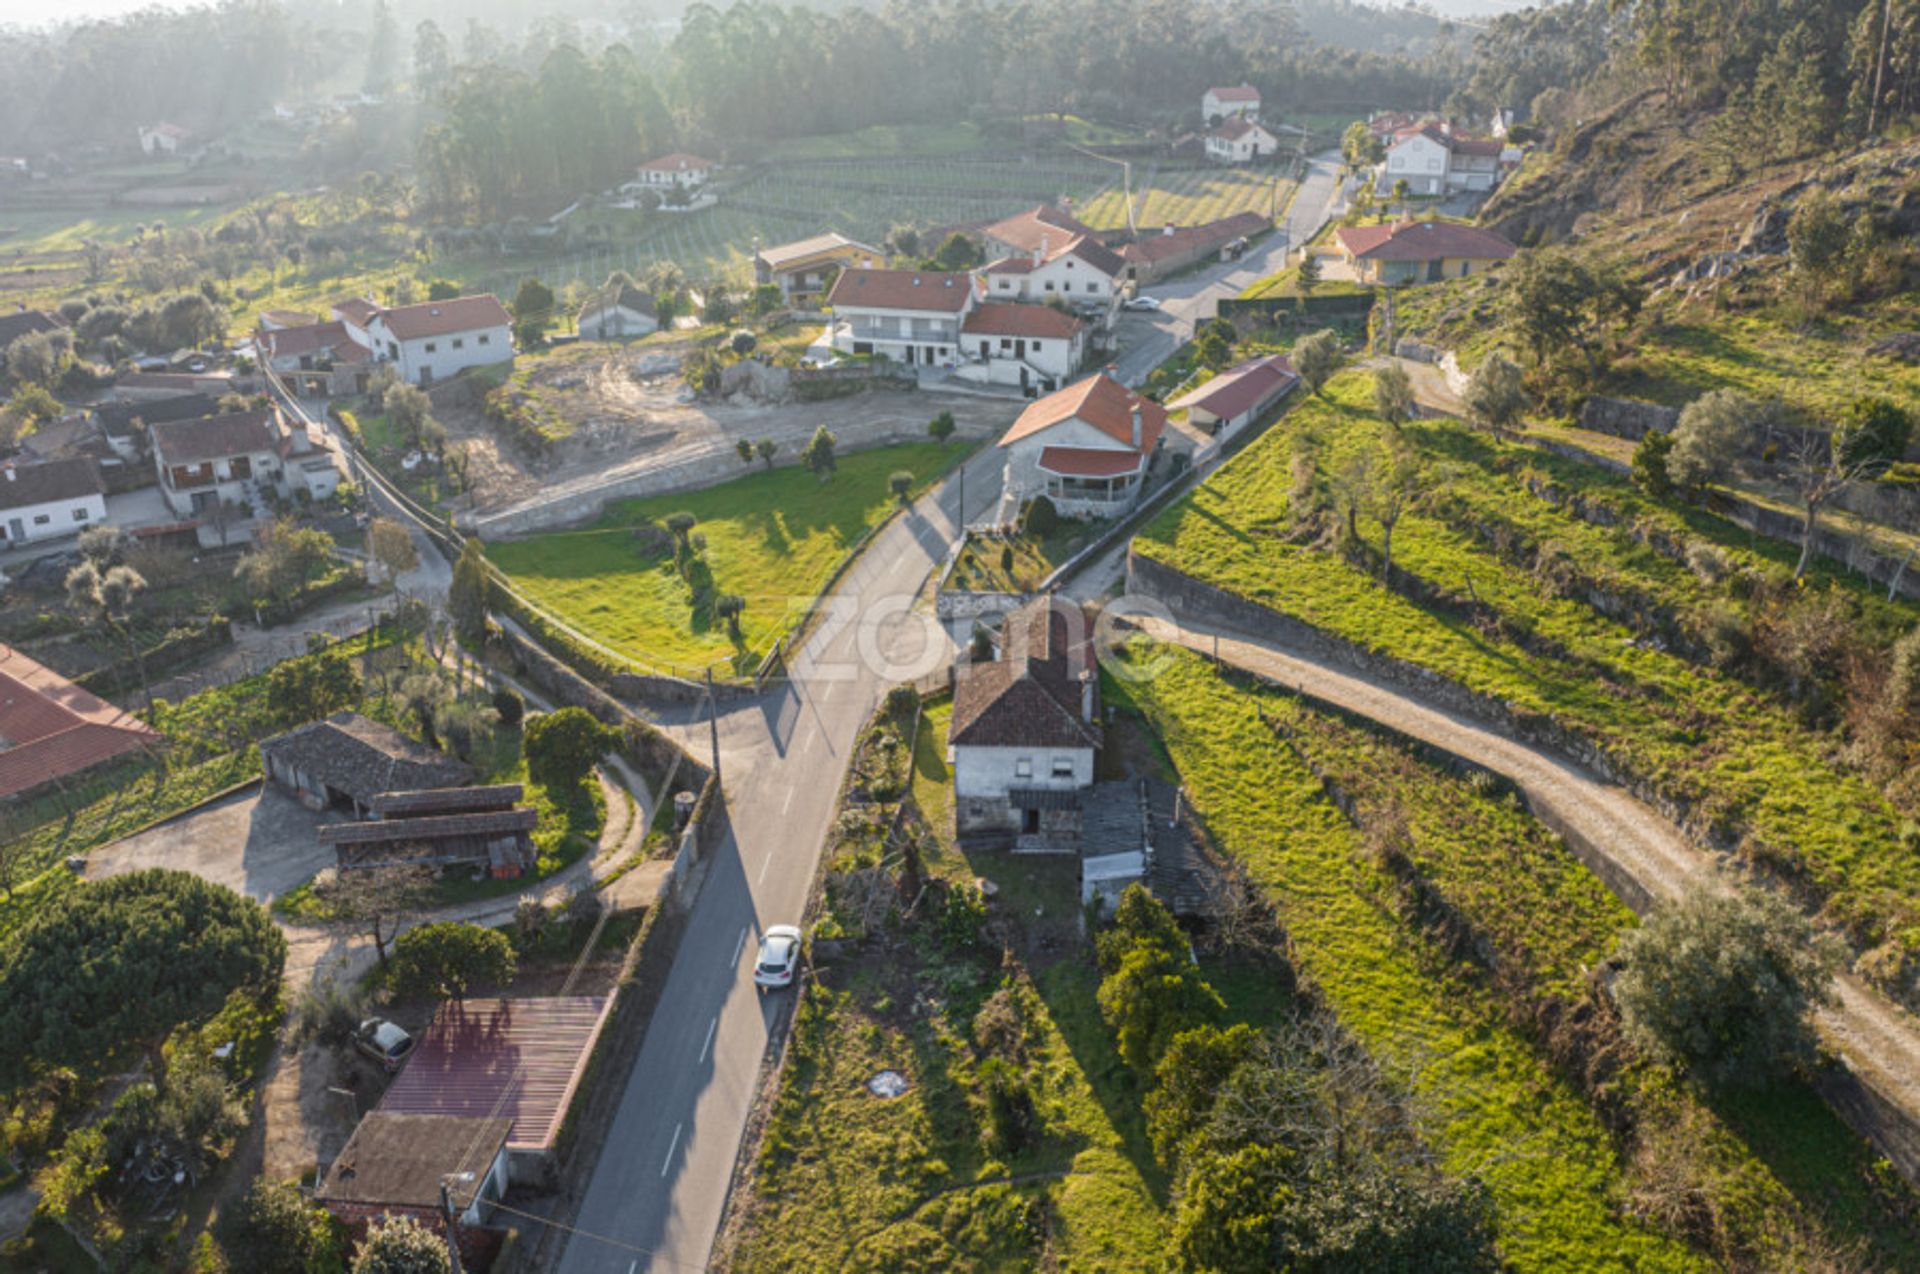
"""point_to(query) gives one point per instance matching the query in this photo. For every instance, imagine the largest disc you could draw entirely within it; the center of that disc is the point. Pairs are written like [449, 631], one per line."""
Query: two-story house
[1241, 141]
[1037, 347]
[44, 501]
[1086, 448]
[909, 316]
[434, 339]
[804, 270]
[1242, 101]
[678, 169]
[315, 359]
[1023, 232]
[236, 459]
[1077, 269]
[1434, 160]
[1026, 727]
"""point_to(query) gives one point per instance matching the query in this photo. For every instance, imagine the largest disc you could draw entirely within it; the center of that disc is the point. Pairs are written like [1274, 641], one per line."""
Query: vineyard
[1190, 197]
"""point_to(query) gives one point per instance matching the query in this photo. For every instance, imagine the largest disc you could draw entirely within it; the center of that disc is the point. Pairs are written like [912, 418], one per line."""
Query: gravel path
[1880, 1042]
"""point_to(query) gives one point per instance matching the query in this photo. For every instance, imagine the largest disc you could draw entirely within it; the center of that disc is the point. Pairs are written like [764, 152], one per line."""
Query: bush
[329, 1013]
[563, 747]
[401, 1245]
[511, 707]
[1725, 983]
[1650, 464]
[1042, 518]
[446, 960]
[1011, 1118]
[902, 700]
[273, 1230]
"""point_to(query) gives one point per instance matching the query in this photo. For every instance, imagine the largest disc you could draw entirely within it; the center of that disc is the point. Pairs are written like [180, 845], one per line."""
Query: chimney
[10, 473]
[1167, 229]
[1040, 252]
[1138, 428]
[1086, 697]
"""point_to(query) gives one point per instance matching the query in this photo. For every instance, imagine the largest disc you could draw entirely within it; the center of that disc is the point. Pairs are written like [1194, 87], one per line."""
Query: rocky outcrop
[1627, 418]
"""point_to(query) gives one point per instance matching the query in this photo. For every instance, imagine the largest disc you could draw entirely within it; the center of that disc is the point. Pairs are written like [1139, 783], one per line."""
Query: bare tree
[380, 899]
[1821, 467]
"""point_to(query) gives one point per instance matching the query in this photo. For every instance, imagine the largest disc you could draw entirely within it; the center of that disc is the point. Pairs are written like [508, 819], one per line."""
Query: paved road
[1194, 299]
[656, 1197]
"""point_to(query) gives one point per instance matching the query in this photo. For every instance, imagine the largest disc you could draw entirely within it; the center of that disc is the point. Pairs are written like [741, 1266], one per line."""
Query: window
[1049, 285]
[1022, 768]
[1069, 263]
[41, 519]
[432, 348]
[1093, 287]
[1063, 767]
[79, 515]
[485, 339]
[1034, 346]
[458, 343]
[1006, 342]
[1006, 285]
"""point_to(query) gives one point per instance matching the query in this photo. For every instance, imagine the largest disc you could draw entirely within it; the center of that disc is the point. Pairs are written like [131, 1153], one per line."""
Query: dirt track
[1879, 1041]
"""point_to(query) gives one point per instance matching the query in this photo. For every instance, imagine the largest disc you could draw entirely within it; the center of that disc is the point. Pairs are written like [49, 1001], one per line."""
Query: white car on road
[779, 957]
[1142, 303]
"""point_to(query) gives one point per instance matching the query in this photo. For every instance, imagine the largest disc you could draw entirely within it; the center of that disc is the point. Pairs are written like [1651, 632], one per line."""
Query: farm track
[1880, 1042]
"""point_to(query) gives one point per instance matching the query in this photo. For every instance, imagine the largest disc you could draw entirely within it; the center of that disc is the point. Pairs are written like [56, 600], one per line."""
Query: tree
[745, 449]
[1496, 396]
[1392, 393]
[1653, 464]
[1725, 984]
[729, 606]
[1713, 432]
[1558, 301]
[312, 686]
[818, 455]
[446, 960]
[900, 482]
[1389, 485]
[34, 359]
[1316, 358]
[441, 290]
[957, 253]
[742, 342]
[941, 427]
[378, 898]
[112, 966]
[1822, 468]
[285, 558]
[469, 593]
[563, 747]
[1231, 1210]
[411, 412]
[1873, 431]
[1213, 349]
[383, 50]
[1307, 278]
[273, 1230]
[533, 308]
[1818, 239]
[1402, 194]
[392, 547]
[1040, 520]
[766, 449]
[1150, 999]
[1188, 1080]
[401, 1245]
[108, 597]
[509, 706]
[432, 68]
[681, 524]
[1359, 148]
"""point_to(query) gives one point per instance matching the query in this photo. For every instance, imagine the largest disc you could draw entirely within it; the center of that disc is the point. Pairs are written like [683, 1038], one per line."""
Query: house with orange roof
[678, 169]
[51, 730]
[1087, 448]
[1419, 251]
[909, 316]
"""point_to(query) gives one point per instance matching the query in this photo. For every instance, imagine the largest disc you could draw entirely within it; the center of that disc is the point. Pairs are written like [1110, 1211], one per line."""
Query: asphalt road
[656, 1197]
[1193, 300]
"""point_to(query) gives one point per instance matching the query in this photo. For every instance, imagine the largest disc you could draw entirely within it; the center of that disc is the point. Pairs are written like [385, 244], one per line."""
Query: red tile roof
[902, 290]
[51, 729]
[1090, 462]
[1100, 401]
[1025, 230]
[1032, 695]
[1243, 93]
[1453, 142]
[240, 433]
[1251, 385]
[330, 338]
[443, 318]
[1237, 127]
[678, 162]
[1214, 234]
[355, 310]
[1423, 241]
[1080, 246]
[520, 1059]
[999, 318]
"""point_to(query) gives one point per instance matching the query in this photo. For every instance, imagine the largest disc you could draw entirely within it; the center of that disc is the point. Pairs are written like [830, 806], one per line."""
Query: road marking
[671, 1147]
[709, 1044]
[764, 864]
[788, 803]
[738, 947]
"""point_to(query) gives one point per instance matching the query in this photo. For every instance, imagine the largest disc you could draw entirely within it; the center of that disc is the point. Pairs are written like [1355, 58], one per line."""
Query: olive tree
[1496, 394]
[1712, 432]
[1317, 358]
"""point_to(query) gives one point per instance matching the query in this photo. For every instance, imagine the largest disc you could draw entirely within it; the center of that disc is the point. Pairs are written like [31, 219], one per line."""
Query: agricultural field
[1190, 197]
[1455, 937]
[1498, 586]
[772, 538]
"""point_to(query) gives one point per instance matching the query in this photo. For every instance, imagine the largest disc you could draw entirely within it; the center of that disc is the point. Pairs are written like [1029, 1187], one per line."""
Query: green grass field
[1287, 283]
[773, 538]
[1782, 1176]
[1730, 750]
[1190, 197]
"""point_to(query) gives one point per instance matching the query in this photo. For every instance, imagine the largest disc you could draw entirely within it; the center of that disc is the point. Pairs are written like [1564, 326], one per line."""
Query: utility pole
[453, 1226]
[713, 724]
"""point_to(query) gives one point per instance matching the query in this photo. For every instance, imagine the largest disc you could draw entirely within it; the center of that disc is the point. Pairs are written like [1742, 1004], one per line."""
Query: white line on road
[671, 1147]
[709, 1044]
[788, 803]
[738, 947]
[764, 864]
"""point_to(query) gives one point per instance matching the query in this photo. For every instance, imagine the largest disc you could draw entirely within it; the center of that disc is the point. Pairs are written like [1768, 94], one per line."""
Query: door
[16, 530]
[1019, 348]
[1031, 823]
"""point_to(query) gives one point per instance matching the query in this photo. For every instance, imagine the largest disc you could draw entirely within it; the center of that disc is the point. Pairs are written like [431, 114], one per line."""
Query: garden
[652, 578]
[1680, 647]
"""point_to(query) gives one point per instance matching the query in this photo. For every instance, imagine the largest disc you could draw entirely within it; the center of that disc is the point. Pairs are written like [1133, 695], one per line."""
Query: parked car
[1142, 303]
[779, 957]
[384, 1042]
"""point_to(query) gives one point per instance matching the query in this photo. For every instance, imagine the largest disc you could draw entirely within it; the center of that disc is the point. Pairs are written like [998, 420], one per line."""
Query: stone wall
[1627, 418]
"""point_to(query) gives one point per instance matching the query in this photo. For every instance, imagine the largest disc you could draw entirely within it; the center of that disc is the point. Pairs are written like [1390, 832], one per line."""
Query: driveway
[258, 842]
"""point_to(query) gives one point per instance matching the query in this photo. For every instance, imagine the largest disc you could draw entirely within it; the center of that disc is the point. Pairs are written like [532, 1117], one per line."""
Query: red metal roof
[1214, 234]
[520, 1058]
[1251, 385]
[51, 728]
[1090, 462]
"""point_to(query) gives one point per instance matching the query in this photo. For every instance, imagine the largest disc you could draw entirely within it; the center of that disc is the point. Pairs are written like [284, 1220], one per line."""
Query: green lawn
[1190, 197]
[773, 538]
[1729, 749]
[983, 563]
[1287, 283]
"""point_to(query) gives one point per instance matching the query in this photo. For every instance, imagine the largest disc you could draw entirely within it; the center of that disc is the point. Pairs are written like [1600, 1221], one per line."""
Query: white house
[163, 139]
[678, 169]
[1086, 447]
[435, 339]
[1240, 141]
[618, 313]
[44, 501]
[909, 316]
[1032, 346]
[236, 459]
[1026, 726]
[1227, 103]
[1077, 269]
[1238, 396]
[1433, 160]
[1502, 122]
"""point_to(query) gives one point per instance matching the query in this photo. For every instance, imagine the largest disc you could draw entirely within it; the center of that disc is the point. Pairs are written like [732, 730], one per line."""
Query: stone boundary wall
[1627, 418]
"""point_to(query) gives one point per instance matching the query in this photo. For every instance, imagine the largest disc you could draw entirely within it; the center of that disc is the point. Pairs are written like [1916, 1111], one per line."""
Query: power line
[623, 1245]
